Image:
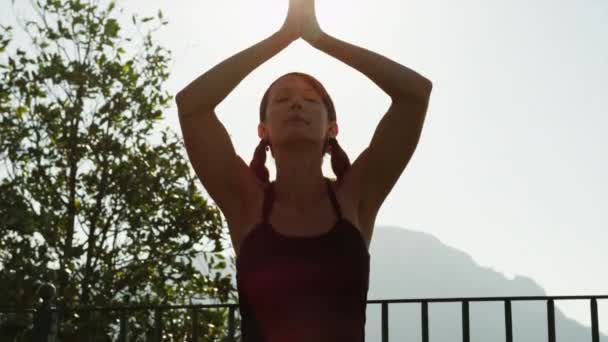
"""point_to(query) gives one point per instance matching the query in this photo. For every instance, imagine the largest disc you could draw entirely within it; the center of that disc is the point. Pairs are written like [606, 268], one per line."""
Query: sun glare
[271, 14]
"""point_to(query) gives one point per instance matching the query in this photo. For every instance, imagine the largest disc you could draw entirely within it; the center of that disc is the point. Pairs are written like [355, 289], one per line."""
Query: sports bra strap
[268, 201]
[332, 197]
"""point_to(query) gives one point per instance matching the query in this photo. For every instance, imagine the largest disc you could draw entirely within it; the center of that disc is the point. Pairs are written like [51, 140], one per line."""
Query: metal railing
[45, 317]
[466, 329]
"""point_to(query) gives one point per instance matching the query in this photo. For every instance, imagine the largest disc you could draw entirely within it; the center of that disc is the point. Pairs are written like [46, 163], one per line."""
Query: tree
[87, 201]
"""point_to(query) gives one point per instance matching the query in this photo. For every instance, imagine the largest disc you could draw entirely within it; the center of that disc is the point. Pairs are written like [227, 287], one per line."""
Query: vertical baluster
[384, 322]
[465, 322]
[425, 321]
[231, 319]
[91, 325]
[595, 331]
[45, 323]
[123, 336]
[551, 319]
[508, 321]
[158, 326]
[195, 330]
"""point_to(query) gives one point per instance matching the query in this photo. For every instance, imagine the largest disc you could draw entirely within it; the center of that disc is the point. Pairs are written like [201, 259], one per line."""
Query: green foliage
[87, 201]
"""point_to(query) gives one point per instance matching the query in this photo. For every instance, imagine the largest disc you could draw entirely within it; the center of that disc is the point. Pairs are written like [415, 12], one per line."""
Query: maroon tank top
[303, 288]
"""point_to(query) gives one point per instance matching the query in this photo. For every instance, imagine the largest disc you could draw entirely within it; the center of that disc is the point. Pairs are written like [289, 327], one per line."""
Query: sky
[511, 163]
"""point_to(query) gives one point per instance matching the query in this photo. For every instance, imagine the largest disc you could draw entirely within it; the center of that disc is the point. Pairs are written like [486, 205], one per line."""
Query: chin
[299, 139]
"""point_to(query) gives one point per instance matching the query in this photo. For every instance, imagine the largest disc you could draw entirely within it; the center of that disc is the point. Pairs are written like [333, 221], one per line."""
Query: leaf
[111, 28]
[20, 111]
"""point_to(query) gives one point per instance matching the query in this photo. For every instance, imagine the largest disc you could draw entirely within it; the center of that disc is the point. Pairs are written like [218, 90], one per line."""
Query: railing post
[12, 327]
[231, 314]
[45, 317]
[465, 322]
[551, 319]
[508, 321]
[195, 332]
[158, 326]
[425, 321]
[93, 324]
[124, 327]
[595, 331]
[384, 322]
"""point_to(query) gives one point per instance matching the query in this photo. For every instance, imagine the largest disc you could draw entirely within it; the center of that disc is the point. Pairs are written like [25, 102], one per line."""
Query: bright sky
[512, 160]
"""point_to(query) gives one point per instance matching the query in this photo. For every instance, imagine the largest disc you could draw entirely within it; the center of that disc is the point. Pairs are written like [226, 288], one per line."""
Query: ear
[262, 130]
[332, 129]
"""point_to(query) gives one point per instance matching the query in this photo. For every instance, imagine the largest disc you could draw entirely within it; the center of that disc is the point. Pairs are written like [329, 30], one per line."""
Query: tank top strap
[332, 197]
[268, 201]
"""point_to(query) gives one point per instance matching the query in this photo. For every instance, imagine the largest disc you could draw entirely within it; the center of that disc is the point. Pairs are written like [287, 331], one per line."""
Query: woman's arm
[377, 169]
[225, 176]
[210, 89]
[396, 80]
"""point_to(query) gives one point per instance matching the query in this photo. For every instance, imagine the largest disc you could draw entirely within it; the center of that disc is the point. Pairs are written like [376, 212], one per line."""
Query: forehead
[292, 82]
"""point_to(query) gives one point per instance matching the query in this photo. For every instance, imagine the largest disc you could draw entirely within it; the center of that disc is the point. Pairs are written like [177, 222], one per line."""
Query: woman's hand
[292, 27]
[301, 21]
[311, 31]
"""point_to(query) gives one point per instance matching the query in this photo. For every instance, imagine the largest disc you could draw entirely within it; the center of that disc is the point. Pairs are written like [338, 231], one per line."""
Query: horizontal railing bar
[11, 310]
[372, 301]
[134, 307]
[484, 299]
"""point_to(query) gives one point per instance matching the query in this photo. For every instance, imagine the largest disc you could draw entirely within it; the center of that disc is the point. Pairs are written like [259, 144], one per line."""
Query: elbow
[184, 103]
[188, 103]
[424, 90]
[179, 101]
[179, 97]
[428, 87]
[421, 92]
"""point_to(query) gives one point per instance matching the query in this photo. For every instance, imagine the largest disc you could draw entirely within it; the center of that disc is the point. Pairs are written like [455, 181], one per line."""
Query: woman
[302, 240]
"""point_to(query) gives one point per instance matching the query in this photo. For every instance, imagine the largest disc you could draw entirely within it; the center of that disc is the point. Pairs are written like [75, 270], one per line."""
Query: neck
[300, 180]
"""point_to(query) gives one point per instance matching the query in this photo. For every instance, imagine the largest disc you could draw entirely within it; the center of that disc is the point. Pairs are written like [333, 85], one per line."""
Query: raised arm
[222, 172]
[377, 169]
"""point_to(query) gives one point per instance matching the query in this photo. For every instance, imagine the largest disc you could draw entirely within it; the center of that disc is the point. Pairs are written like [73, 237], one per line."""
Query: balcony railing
[45, 317]
[466, 336]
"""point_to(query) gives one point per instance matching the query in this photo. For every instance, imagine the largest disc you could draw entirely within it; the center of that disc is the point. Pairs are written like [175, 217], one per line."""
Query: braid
[258, 162]
[339, 159]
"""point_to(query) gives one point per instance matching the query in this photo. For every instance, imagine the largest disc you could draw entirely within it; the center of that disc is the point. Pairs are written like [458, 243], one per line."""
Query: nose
[296, 103]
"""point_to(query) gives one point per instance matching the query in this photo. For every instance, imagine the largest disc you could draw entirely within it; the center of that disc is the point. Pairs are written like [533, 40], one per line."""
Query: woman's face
[295, 114]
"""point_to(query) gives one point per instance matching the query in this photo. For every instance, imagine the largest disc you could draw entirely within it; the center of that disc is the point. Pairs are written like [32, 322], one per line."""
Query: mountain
[411, 264]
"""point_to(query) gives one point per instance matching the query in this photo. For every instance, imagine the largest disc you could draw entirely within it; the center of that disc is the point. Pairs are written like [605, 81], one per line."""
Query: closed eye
[283, 99]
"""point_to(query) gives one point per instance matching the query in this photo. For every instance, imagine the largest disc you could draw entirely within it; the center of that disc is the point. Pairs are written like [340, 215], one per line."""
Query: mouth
[297, 121]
